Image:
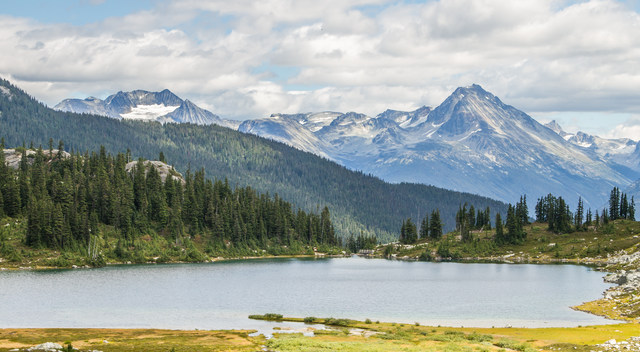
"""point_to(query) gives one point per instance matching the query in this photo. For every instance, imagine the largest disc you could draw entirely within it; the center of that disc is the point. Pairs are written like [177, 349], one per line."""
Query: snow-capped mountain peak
[471, 142]
[163, 106]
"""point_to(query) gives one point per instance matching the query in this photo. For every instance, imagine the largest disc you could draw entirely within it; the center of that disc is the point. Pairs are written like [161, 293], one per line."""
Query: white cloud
[538, 55]
[628, 129]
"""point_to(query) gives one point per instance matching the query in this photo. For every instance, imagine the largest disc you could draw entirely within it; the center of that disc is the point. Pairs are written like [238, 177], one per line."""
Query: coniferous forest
[78, 201]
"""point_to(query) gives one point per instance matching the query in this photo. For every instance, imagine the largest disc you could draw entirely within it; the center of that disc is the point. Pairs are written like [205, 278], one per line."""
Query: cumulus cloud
[348, 55]
[628, 129]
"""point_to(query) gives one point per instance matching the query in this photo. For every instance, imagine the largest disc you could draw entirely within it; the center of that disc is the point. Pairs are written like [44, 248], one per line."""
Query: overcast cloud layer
[247, 59]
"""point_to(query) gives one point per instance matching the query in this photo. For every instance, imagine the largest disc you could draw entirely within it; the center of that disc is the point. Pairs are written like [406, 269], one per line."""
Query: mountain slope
[357, 202]
[623, 151]
[472, 142]
[161, 106]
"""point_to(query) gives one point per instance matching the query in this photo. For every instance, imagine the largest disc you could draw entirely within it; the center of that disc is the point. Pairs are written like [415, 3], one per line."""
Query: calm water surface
[221, 295]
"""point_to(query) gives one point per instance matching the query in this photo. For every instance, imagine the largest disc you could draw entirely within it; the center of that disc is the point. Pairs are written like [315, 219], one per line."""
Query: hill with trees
[90, 203]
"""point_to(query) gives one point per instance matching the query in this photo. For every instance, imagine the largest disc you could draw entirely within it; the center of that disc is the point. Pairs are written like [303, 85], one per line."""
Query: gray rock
[47, 346]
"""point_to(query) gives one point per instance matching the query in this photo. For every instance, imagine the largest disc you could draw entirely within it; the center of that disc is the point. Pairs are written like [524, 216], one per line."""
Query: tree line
[430, 228]
[549, 209]
[554, 211]
[68, 198]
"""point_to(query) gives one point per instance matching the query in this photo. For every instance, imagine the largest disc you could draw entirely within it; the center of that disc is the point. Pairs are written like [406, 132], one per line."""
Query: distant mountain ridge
[623, 151]
[472, 142]
[163, 106]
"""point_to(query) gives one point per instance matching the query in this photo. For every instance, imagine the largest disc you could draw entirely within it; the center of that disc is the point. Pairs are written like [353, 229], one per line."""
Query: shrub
[337, 322]
[268, 316]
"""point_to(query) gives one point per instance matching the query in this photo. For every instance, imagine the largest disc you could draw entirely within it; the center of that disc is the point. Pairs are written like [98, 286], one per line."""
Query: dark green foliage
[620, 207]
[579, 215]
[516, 220]
[468, 221]
[500, 238]
[554, 211]
[435, 226]
[408, 232]
[268, 316]
[614, 203]
[355, 244]
[357, 201]
[68, 197]
[424, 227]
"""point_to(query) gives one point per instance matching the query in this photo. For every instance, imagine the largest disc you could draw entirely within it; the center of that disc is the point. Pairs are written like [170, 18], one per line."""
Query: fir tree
[435, 226]
[424, 227]
[500, 238]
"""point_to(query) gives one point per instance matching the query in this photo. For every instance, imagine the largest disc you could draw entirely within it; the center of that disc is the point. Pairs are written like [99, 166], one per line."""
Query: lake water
[221, 295]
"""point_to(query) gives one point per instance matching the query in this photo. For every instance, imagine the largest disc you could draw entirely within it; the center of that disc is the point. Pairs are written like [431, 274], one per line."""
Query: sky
[577, 62]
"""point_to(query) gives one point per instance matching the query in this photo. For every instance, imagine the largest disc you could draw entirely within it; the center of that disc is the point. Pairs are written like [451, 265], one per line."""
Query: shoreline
[213, 260]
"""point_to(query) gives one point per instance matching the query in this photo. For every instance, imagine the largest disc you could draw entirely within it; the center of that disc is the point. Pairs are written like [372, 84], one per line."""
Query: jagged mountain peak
[163, 106]
[555, 127]
[472, 109]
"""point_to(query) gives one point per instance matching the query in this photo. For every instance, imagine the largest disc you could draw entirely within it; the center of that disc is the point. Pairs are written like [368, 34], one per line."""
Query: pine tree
[410, 232]
[424, 227]
[435, 227]
[500, 238]
[614, 204]
[579, 215]
[632, 210]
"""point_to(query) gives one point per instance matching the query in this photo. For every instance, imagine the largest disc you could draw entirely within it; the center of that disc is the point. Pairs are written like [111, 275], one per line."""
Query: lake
[221, 295]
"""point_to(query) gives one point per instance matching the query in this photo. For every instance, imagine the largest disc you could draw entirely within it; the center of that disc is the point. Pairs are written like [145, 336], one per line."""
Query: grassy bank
[539, 246]
[150, 248]
[349, 335]
[116, 340]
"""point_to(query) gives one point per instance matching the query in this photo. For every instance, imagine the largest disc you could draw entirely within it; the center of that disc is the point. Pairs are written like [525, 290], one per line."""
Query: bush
[426, 256]
[268, 316]
[310, 320]
[337, 322]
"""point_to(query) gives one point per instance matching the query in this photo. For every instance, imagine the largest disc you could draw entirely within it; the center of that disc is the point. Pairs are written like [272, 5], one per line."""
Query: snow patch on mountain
[163, 106]
[148, 112]
[471, 142]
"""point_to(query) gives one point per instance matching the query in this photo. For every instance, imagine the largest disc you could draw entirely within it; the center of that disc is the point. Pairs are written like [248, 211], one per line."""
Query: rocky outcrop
[632, 344]
[13, 157]
[47, 346]
[163, 169]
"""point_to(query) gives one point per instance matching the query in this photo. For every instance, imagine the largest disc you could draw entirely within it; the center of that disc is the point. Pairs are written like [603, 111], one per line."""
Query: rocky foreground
[623, 300]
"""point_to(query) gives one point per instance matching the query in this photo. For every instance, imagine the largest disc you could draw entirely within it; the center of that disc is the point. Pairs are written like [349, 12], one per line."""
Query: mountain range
[472, 142]
[359, 203]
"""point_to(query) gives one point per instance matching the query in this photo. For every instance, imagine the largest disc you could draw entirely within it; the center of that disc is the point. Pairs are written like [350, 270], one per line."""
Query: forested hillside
[80, 203]
[358, 203]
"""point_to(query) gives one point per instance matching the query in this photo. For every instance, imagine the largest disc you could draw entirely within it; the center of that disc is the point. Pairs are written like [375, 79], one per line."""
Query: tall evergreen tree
[424, 227]
[500, 237]
[435, 226]
[614, 203]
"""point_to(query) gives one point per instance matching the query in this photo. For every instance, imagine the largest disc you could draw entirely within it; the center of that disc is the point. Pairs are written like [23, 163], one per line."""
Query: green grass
[149, 248]
[387, 337]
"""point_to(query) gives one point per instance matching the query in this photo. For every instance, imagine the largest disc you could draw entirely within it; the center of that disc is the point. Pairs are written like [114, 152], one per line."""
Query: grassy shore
[148, 249]
[591, 246]
[350, 335]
